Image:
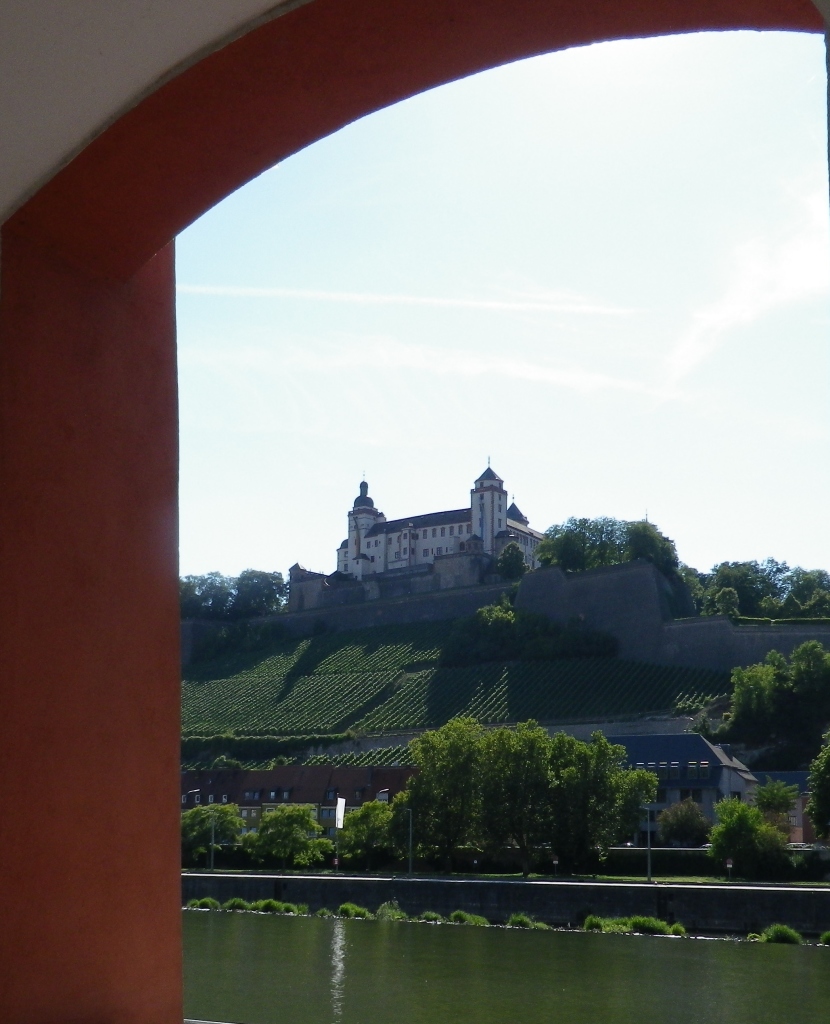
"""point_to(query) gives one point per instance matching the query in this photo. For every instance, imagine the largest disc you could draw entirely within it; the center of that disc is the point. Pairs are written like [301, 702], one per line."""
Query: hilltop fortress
[418, 554]
[441, 565]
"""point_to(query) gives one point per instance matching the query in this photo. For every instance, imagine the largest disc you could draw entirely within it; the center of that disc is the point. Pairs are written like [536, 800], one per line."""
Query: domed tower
[488, 501]
[363, 515]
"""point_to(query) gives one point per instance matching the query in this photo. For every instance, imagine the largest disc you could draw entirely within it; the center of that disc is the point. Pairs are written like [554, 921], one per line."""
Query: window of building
[443, 531]
[273, 795]
[481, 497]
[406, 551]
[452, 530]
[674, 770]
[327, 812]
[184, 798]
[358, 794]
[257, 794]
[224, 798]
[210, 798]
[197, 799]
[244, 812]
[388, 540]
[691, 770]
[704, 769]
[439, 551]
[662, 770]
[499, 523]
[661, 796]
[331, 794]
[434, 532]
[373, 558]
[426, 552]
[405, 536]
[286, 793]
[397, 554]
[248, 794]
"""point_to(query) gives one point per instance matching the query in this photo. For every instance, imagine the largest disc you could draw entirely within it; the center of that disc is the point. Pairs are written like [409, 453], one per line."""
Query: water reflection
[338, 969]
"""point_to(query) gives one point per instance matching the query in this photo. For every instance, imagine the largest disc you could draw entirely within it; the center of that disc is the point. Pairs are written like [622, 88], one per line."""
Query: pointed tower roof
[514, 513]
[488, 474]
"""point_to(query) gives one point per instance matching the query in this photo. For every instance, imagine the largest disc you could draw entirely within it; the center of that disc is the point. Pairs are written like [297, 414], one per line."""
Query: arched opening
[88, 428]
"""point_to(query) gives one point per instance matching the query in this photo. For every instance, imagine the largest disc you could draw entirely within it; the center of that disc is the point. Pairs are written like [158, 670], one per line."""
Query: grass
[637, 924]
[781, 933]
[519, 920]
[431, 917]
[390, 911]
[352, 910]
[462, 917]
[236, 904]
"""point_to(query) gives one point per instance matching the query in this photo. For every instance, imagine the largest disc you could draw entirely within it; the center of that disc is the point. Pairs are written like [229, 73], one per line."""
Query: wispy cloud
[383, 354]
[520, 305]
[767, 273]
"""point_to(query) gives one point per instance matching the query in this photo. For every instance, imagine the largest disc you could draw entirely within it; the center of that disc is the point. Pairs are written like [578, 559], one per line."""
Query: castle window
[443, 531]
[397, 554]
[499, 523]
[373, 558]
[388, 540]
[452, 530]
[439, 551]
[426, 552]
[406, 551]
[434, 532]
[414, 536]
[405, 536]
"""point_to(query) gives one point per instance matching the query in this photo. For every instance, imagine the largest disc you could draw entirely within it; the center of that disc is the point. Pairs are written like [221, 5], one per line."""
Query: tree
[444, 794]
[516, 789]
[511, 564]
[782, 701]
[683, 824]
[596, 798]
[818, 806]
[290, 836]
[751, 581]
[579, 544]
[726, 602]
[222, 820]
[775, 800]
[366, 836]
[258, 593]
[741, 833]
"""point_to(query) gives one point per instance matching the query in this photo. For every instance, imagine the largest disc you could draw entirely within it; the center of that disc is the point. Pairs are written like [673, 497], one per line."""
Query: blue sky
[607, 269]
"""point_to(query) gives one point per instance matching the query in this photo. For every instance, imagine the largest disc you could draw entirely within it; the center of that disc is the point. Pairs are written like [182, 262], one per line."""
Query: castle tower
[362, 517]
[488, 502]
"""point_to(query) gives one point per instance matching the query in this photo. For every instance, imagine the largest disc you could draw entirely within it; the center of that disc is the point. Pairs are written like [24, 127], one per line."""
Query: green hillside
[387, 679]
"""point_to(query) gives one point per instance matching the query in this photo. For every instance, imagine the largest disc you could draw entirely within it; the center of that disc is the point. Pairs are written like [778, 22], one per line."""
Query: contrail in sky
[372, 299]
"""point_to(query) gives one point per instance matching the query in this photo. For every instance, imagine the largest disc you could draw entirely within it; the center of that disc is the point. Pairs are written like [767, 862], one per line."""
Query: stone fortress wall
[633, 602]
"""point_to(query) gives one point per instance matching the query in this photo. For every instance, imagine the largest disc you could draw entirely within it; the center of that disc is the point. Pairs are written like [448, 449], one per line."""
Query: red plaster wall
[88, 603]
[89, 722]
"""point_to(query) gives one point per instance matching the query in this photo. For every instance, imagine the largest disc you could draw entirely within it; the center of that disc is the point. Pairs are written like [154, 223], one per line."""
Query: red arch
[304, 75]
[88, 605]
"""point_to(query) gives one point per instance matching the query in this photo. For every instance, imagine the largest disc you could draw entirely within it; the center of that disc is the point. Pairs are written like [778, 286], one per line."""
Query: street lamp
[648, 809]
[555, 865]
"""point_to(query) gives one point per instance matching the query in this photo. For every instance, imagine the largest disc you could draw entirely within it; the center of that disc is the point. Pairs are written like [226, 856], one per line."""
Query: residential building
[688, 766]
[314, 786]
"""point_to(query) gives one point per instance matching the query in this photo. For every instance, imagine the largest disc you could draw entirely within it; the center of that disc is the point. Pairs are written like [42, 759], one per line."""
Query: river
[261, 969]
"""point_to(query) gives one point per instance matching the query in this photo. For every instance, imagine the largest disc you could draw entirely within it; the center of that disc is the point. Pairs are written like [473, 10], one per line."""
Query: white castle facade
[378, 545]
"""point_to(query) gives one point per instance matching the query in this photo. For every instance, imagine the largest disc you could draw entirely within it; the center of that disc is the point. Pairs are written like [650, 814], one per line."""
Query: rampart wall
[734, 910]
[633, 602]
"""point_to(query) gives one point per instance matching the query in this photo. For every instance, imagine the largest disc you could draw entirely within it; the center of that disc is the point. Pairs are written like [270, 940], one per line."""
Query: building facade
[377, 545]
[314, 786]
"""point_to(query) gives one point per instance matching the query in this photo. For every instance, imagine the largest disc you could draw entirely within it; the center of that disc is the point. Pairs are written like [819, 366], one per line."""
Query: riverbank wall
[703, 909]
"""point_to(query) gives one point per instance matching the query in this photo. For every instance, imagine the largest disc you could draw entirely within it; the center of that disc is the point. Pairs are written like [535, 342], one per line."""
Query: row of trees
[251, 594]
[487, 789]
[521, 788]
[784, 703]
[766, 589]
